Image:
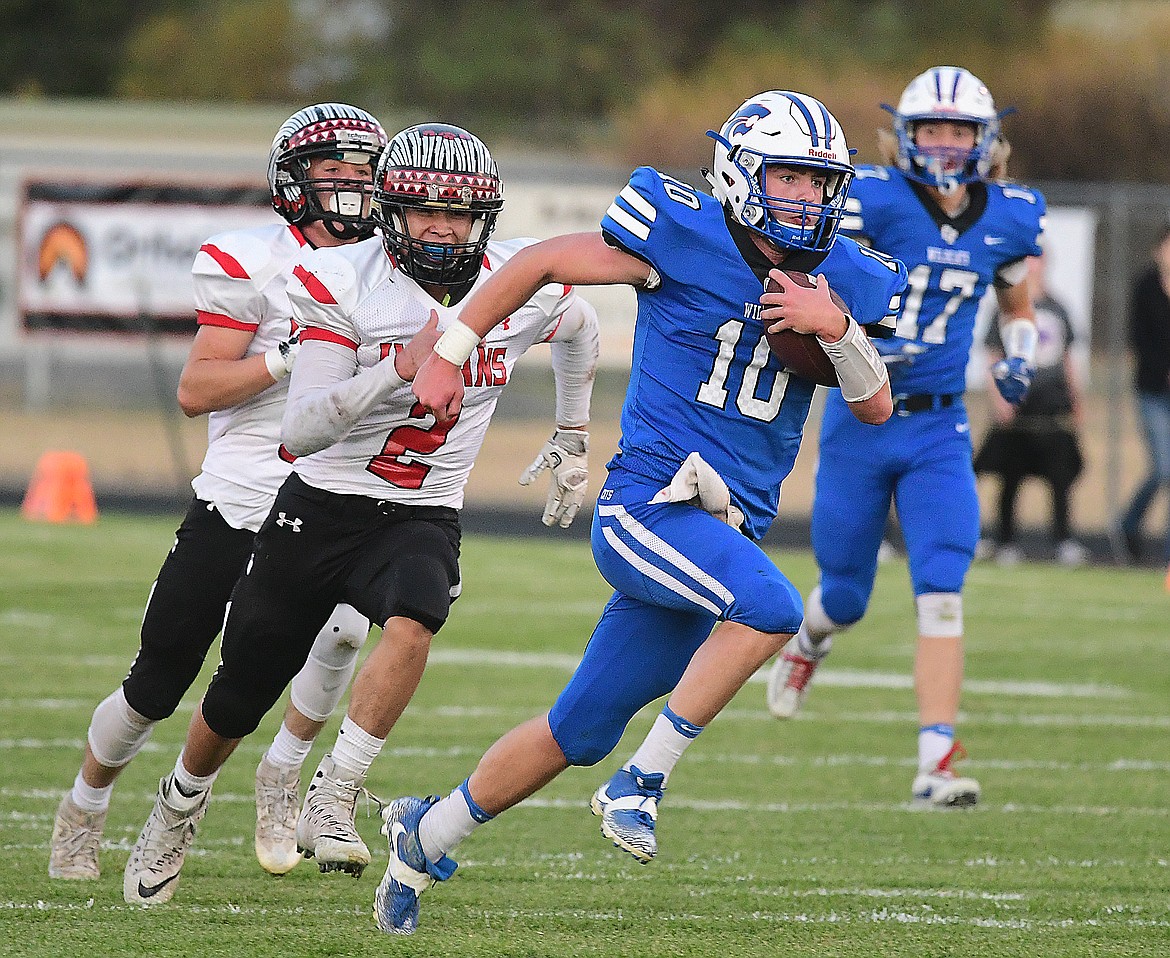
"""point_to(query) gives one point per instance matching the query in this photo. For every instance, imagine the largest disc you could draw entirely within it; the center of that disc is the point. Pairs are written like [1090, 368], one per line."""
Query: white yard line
[927, 915]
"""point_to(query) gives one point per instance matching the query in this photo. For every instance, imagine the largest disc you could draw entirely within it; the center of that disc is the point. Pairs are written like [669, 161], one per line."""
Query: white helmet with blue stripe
[957, 95]
[779, 128]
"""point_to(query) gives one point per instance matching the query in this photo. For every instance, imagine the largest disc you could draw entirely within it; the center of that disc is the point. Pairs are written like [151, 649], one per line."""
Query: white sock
[355, 750]
[812, 648]
[88, 798]
[664, 744]
[286, 750]
[448, 822]
[189, 788]
[934, 741]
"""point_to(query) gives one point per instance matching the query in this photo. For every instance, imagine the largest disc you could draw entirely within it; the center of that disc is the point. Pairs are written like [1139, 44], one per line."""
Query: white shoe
[77, 836]
[1071, 553]
[152, 871]
[940, 787]
[325, 830]
[278, 802]
[789, 678]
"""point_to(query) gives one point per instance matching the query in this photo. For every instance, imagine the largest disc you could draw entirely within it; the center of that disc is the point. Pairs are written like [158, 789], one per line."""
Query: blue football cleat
[409, 872]
[628, 806]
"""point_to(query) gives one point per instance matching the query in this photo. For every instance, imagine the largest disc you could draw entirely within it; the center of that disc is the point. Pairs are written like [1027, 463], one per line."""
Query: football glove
[1013, 376]
[567, 455]
[698, 484]
[898, 353]
[281, 357]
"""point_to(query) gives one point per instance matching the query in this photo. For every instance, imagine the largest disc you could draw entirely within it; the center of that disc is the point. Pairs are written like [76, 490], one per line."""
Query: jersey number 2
[390, 466]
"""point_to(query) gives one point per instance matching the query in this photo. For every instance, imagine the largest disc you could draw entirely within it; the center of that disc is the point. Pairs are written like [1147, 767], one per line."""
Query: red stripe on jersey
[285, 454]
[326, 336]
[298, 235]
[229, 264]
[219, 319]
[315, 287]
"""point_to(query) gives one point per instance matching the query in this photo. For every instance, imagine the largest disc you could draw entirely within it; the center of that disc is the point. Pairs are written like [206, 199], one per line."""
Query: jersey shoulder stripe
[314, 286]
[228, 263]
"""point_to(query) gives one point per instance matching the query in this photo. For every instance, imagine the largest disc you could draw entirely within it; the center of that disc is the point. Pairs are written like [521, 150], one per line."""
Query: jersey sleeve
[227, 272]
[322, 291]
[647, 219]
[870, 282]
[1024, 212]
[862, 208]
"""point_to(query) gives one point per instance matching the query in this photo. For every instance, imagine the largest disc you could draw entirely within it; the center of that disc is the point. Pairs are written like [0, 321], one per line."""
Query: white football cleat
[789, 677]
[628, 806]
[278, 803]
[325, 830]
[77, 836]
[152, 871]
[940, 787]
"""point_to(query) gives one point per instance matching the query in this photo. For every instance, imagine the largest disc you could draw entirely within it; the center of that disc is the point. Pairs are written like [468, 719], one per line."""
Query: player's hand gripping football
[567, 455]
[1013, 377]
[413, 354]
[803, 309]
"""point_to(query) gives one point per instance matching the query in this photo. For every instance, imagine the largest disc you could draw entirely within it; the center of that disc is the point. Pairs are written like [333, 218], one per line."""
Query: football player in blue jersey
[940, 208]
[710, 427]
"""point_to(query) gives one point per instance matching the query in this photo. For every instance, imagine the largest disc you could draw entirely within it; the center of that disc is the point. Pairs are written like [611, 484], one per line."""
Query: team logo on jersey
[63, 249]
[948, 233]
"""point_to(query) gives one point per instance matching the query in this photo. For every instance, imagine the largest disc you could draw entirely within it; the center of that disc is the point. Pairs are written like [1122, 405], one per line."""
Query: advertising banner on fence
[116, 257]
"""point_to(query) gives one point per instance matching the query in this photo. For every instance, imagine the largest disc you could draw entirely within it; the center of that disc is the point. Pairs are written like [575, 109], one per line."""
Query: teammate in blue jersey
[940, 209]
[710, 428]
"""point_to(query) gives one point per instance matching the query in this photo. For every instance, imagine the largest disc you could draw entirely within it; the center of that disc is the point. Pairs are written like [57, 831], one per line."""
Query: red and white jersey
[241, 281]
[398, 451]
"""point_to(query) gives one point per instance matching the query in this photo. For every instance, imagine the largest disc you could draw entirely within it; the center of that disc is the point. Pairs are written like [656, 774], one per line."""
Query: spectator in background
[1149, 337]
[1038, 437]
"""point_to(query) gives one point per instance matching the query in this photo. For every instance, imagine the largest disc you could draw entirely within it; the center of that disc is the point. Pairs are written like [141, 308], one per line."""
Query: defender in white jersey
[320, 174]
[369, 514]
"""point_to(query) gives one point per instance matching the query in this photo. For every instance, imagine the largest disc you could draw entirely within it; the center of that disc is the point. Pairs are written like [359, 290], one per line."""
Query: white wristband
[1020, 338]
[457, 344]
[274, 360]
[860, 370]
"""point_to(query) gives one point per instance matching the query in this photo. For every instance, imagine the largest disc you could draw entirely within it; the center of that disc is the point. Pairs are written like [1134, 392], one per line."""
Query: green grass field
[776, 839]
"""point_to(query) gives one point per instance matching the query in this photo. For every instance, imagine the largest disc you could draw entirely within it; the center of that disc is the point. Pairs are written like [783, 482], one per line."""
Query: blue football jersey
[951, 262]
[702, 376]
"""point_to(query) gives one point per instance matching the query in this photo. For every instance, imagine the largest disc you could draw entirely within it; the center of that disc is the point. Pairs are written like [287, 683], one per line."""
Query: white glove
[567, 455]
[281, 357]
[698, 484]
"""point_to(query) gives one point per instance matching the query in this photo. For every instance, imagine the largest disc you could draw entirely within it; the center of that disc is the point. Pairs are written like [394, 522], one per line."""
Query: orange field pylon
[60, 490]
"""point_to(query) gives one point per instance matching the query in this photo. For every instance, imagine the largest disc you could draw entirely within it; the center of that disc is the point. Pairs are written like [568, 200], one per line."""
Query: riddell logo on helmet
[823, 154]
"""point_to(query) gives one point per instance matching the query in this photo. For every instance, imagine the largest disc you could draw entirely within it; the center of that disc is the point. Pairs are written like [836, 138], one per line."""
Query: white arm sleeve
[575, 347]
[326, 397]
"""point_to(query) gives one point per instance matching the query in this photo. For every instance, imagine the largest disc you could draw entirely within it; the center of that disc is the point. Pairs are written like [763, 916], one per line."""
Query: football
[800, 353]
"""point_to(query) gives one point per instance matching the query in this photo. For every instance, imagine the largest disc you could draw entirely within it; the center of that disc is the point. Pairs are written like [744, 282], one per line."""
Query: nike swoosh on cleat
[149, 891]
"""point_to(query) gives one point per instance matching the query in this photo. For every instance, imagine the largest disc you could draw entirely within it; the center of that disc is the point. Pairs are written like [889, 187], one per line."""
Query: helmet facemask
[441, 168]
[790, 130]
[946, 94]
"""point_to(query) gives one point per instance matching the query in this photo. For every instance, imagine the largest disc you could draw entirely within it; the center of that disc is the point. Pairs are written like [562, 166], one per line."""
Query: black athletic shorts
[317, 549]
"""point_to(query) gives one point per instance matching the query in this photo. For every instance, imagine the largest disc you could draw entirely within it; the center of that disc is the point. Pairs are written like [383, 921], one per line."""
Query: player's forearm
[574, 362]
[326, 399]
[208, 385]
